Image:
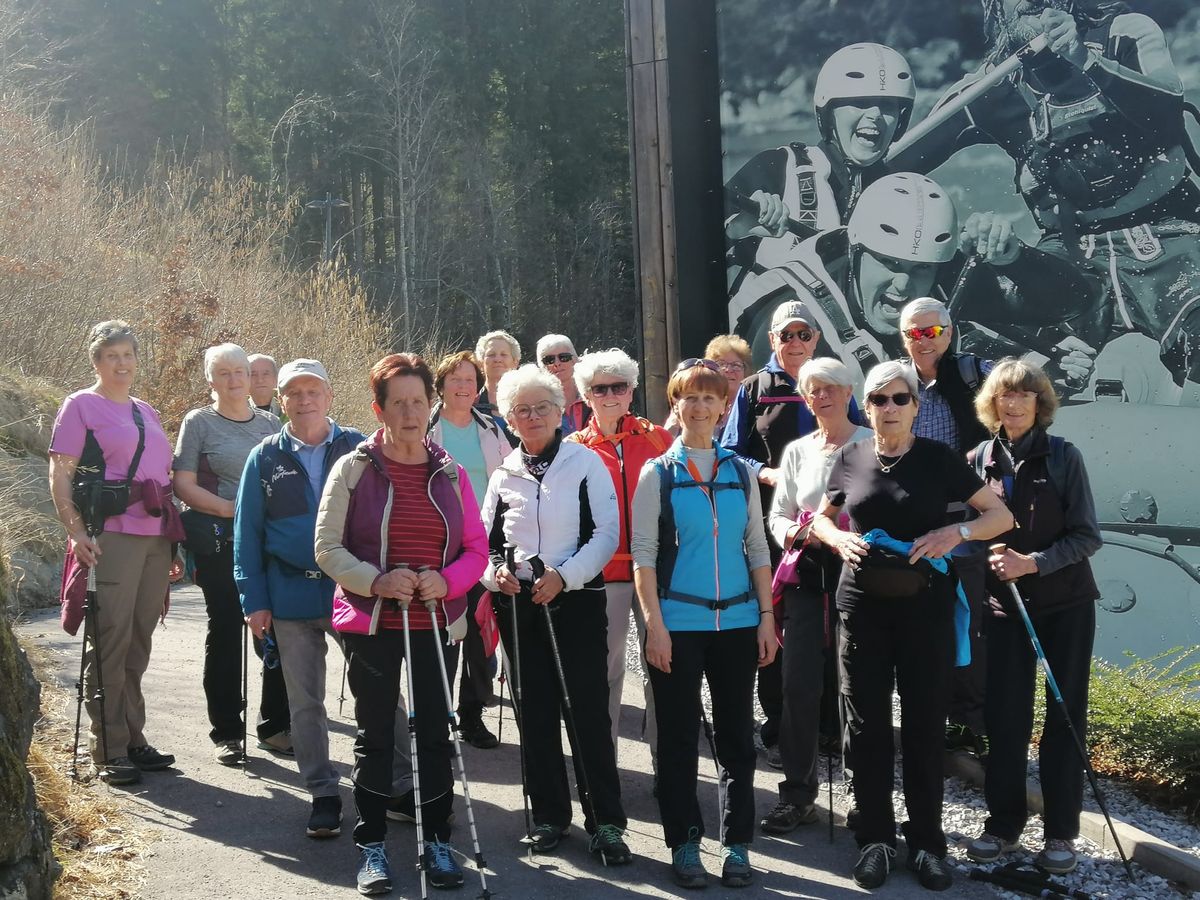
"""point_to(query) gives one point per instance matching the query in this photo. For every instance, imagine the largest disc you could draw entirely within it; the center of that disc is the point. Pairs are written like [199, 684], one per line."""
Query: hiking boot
[326, 818]
[774, 757]
[874, 863]
[933, 872]
[735, 870]
[230, 753]
[374, 876]
[118, 771]
[608, 843]
[279, 743]
[686, 865]
[962, 737]
[787, 817]
[475, 733]
[546, 837]
[1057, 857]
[987, 848]
[442, 868]
[403, 809]
[148, 759]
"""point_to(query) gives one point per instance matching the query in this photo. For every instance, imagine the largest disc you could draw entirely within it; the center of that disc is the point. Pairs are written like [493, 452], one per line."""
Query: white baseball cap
[792, 311]
[298, 367]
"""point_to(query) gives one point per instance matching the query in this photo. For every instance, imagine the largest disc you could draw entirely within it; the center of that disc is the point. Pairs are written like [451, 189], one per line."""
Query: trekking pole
[342, 695]
[515, 688]
[91, 625]
[412, 745]
[500, 729]
[539, 569]
[480, 863]
[1062, 706]
[245, 696]
[1007, 880]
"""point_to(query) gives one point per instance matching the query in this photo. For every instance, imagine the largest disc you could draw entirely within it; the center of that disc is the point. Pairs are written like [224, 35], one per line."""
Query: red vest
[640, 441]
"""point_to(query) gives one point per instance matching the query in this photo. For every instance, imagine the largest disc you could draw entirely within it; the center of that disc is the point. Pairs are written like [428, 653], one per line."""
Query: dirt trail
[225, 833]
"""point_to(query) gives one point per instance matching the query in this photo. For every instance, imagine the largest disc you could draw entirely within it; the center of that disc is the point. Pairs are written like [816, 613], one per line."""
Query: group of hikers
[777, 530]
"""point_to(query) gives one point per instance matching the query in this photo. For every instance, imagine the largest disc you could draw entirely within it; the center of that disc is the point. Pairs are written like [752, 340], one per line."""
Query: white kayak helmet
[905, 216]
[864, 72]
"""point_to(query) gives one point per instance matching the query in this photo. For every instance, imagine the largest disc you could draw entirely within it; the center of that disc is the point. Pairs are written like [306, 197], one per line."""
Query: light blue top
[312, 456]
[463, 445]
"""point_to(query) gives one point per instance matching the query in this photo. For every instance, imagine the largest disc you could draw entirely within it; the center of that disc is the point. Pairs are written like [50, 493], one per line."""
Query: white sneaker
[229, 753]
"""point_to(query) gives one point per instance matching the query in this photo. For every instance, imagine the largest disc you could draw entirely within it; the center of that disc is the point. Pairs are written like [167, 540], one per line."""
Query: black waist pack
[888, 575]
[205, 534]
[95, 497]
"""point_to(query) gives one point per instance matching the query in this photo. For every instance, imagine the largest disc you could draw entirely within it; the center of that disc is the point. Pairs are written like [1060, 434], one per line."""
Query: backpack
[1056, 462]
[668, 534]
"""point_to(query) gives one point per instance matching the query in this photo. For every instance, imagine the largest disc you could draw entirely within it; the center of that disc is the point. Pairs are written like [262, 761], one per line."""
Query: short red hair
[395, 365]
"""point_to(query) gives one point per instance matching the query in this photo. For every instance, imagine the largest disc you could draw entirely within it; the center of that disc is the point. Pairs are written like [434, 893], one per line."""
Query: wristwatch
[964, 532]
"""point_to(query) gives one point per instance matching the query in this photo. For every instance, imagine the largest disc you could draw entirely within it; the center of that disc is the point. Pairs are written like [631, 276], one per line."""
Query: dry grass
[190, 261]
[95, 842]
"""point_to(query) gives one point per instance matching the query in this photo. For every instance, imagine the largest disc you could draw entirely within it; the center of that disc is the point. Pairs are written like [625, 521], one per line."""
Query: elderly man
[264, 377]
[947, 385]
[282, 589]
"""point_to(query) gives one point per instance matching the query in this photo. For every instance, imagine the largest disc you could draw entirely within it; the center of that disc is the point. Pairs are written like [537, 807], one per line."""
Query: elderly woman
[210, 454]
[499, 352]
[476, 442]
[553, 524]
[556, 355]
[606, 381]
[732, 355]
[105, 434]
[703, 575]
[1043, 479]
[808, 622]
[900, 616]
[398, 522]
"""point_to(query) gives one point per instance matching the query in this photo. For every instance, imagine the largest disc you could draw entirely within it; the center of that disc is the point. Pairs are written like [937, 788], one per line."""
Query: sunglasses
[694, 361]
[930, 331]
[617, 389]
[552, 358]
[804, 334]
[901, 399]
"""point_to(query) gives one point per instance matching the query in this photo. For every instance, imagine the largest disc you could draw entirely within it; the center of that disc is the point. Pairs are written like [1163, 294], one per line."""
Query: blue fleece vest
[708, 565]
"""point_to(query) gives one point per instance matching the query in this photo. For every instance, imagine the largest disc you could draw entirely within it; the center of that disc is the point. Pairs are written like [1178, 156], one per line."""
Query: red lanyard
[704, 487]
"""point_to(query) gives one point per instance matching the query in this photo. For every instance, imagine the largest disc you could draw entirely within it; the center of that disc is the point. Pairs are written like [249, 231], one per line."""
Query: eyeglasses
[785, 336]
[617, 389]
[694, 361]
[552, 358]
[541, 410]
[1018, 396]
[930, 331]
[738, 366]
[901, 399]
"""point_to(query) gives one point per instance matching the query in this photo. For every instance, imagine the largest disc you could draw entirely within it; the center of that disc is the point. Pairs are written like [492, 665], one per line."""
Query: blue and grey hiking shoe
[686, 865]
[609, 844]
[374, 876]
[443, 869]
[736, 871]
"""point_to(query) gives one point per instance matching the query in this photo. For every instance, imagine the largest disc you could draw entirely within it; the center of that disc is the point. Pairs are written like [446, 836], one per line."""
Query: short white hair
[612, 362]
[513, 346]
[890, 371]
[923, 305]
[220, 353]
[529, 375]
[255, 357]
[546, 341]
[825, 369]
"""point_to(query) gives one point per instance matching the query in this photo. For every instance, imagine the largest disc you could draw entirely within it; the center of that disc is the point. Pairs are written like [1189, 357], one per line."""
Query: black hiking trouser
[1066, 636]
[581, 627]
[475, 684]
[909, 644]
[727, 660]
[374, 674]
[970, 682]
[223, 654]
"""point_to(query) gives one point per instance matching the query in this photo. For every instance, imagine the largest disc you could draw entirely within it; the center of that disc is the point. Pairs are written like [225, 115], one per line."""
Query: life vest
[810, 201]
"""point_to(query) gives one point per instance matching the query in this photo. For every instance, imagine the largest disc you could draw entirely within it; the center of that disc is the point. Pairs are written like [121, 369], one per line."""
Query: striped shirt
[416, 536]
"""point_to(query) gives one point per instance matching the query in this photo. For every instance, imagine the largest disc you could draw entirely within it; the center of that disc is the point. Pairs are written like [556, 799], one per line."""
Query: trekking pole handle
[404, 604]
[431, 603]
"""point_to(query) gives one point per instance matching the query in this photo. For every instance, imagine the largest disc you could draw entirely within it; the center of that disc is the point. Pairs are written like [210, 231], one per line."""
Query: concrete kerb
[1155, 854]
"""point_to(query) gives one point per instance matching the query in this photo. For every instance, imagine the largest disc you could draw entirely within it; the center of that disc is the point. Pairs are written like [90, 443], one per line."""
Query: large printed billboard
[1032, 163]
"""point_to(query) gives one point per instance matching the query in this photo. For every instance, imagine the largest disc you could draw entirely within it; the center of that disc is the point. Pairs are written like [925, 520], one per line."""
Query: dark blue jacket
[274, 529]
